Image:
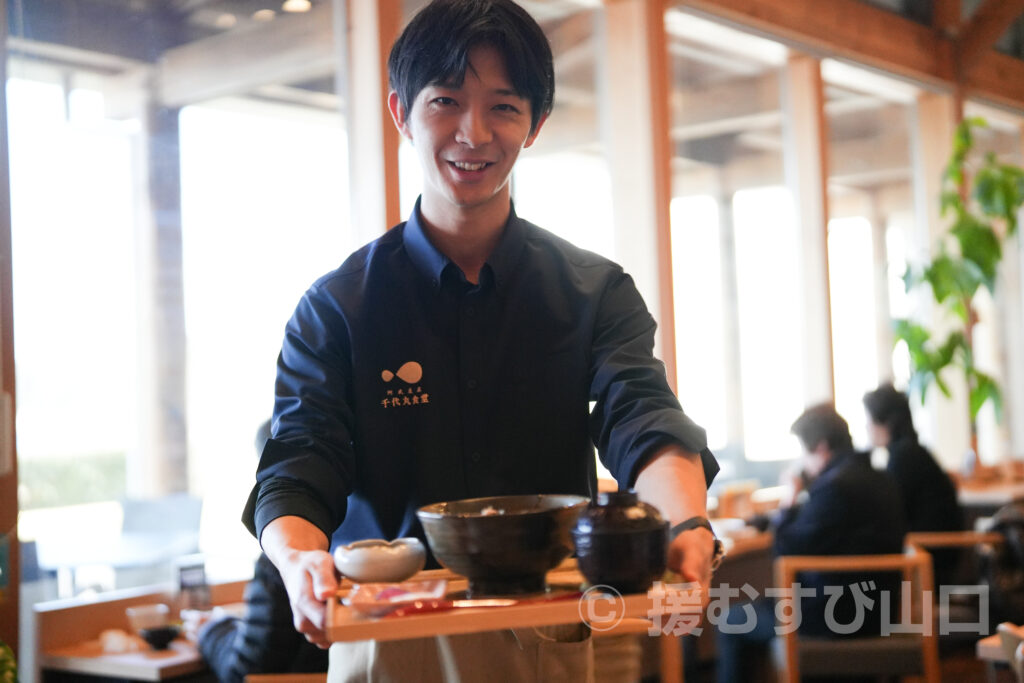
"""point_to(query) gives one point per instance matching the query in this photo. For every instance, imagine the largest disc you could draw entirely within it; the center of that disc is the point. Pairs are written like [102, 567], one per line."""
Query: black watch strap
[699, 522]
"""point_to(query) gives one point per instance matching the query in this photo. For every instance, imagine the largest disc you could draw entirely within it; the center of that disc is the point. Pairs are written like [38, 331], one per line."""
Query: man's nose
[474, 129]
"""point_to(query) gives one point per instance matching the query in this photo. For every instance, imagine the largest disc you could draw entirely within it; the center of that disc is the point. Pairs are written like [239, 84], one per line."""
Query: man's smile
[470, 165]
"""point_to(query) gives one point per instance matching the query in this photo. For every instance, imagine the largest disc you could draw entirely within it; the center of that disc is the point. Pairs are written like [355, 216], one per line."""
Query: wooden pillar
[806, 166]
[372, 137]
[161, 464]
[10, 578]
[633, 89]
[883, 315]
[947, 428]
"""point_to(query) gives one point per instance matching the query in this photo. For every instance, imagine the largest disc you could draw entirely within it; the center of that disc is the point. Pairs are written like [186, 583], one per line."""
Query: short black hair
[822, 423]
[435, 47]
[889, 407]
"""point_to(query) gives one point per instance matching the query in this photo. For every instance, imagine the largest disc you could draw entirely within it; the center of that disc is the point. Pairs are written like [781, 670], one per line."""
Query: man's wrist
[700, 522]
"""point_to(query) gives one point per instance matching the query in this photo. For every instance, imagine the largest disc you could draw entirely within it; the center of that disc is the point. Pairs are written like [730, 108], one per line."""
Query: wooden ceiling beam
[856, 32]
[997, 79]
[846, 29]
[990, 20]
[290, 49]
[946, 17]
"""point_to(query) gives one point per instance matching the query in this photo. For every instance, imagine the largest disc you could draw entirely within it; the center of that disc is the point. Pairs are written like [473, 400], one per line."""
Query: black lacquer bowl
[621, 542]
[504, 545]
[160, 637]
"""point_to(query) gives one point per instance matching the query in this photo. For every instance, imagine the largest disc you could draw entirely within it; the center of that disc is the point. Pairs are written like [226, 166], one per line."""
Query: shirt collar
[432, 263]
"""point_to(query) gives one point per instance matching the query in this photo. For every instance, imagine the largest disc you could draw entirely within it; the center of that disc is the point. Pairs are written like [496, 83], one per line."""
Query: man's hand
[690, 555]
[310, 580]
[299, 551]
[673, 482]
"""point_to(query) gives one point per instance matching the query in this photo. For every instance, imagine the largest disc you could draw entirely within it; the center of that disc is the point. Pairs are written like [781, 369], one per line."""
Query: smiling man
[458, 356]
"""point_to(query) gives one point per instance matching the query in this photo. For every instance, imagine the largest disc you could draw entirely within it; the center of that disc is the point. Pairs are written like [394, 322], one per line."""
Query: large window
[168, 211]
[260, 223]
[74, 286]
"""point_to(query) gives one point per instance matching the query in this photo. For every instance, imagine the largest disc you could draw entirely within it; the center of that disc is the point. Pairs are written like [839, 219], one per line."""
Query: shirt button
[475, 456]
[471, 384]
[470, 311]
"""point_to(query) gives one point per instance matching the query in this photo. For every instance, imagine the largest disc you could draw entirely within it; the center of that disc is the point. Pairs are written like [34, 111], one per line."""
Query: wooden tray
[628, 613]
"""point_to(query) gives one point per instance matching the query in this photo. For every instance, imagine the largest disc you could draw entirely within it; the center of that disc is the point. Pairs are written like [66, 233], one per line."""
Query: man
[839, 506]
[457, 355]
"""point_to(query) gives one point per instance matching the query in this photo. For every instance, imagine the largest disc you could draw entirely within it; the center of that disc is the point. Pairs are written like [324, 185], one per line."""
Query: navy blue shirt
[400, 383]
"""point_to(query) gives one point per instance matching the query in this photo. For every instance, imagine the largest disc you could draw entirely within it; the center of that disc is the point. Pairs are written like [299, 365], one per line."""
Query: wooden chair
[958, 610]
[895, 654]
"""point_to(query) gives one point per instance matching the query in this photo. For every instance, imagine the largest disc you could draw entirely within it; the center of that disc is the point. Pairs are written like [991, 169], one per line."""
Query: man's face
[816, 459]
[468, 137]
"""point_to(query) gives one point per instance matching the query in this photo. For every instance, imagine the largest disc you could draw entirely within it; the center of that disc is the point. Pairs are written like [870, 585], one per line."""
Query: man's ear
[398, 114]
[533, 135]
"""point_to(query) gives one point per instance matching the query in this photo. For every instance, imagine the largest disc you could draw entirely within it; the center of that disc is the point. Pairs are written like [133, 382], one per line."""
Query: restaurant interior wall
[200, 163]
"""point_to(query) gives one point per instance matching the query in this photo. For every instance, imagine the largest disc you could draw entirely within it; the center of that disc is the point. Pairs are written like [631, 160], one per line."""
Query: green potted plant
[983, 198]
[8, 667]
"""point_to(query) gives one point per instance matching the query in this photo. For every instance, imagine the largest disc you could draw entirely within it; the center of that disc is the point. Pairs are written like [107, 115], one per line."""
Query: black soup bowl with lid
[621, 542]
[504, 545]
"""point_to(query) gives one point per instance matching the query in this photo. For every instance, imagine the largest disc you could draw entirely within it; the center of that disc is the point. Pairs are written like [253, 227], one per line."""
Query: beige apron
[560, 654]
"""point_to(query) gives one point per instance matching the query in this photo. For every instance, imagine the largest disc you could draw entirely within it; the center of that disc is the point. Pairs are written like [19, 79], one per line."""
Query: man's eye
[507, 107]
[446, 101]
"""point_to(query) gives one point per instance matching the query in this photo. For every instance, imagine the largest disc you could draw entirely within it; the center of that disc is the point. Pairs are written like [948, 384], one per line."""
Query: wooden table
[68, 631]
[87, 657]
[991, 495]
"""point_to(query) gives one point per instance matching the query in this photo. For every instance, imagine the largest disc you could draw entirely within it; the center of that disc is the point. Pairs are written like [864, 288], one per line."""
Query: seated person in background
[264, 640]
[839, 506]
[928, 493]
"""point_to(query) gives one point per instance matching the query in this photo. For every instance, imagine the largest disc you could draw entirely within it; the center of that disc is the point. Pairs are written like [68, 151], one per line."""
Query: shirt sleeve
[306, 468]
[635, 412]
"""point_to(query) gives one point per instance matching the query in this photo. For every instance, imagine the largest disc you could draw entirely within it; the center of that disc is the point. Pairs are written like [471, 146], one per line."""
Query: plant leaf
[980, 245]
[984, 388]
[952, 278]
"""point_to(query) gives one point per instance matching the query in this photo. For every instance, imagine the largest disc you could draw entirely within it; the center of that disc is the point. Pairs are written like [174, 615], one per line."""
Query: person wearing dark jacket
[839, 506]
[262, 641]
[928, 493]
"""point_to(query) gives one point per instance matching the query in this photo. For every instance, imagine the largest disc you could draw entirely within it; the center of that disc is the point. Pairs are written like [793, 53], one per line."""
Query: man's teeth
[469, 167]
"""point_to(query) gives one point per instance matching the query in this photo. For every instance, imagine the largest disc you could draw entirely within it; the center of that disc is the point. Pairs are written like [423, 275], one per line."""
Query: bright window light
[771, 349]
[854, 330]
[700, 327]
